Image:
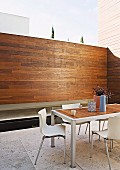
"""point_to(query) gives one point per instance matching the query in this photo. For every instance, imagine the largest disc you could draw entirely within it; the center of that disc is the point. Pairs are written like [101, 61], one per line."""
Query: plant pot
[97, 100]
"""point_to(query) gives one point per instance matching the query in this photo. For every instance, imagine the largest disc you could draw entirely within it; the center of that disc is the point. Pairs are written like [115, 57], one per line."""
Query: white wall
[14, 24]
[109, 25]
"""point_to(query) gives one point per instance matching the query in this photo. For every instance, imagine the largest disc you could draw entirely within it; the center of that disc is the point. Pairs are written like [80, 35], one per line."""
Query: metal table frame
[73, 122]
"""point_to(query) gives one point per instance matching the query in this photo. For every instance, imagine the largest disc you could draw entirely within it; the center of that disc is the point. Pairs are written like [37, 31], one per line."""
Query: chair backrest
[114, 127]
[71, 106]
[42, 119]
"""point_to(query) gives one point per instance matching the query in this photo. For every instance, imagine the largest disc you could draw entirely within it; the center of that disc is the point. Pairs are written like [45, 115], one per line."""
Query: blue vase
[102, 103]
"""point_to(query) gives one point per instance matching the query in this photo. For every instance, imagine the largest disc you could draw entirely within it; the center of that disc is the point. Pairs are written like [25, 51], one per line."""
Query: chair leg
[91, 149]
[103, 124]
[99, 128]
[89, 132]
[86, 128]
[106, 146]
[39, 149]
[64, 150]
[111, 144]
[79, 129]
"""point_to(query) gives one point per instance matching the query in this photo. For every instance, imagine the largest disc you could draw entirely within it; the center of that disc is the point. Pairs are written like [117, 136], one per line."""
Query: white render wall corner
[109, 25]
[14, 24]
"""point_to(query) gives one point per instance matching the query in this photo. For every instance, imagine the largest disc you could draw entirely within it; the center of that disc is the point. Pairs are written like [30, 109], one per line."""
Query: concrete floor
[18, 150]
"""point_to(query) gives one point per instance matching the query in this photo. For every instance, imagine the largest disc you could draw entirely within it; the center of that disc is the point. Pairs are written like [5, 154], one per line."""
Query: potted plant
[98, 91]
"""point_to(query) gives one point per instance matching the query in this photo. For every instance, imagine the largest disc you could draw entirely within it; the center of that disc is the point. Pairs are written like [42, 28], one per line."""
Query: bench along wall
[114, 76]
[42, 70]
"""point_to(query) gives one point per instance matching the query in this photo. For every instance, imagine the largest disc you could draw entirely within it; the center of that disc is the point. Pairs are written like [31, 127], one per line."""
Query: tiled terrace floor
[18, 150]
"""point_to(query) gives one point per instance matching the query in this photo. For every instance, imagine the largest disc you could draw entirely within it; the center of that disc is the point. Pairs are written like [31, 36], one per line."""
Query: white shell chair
[49, 131]
[113, 132]
[73, 106]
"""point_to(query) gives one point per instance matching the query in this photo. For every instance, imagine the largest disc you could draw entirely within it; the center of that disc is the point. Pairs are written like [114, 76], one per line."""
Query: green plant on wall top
[82, 40]
[52, 35]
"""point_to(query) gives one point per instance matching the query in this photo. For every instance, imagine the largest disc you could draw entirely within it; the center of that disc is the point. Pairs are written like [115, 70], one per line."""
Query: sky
[70, 19]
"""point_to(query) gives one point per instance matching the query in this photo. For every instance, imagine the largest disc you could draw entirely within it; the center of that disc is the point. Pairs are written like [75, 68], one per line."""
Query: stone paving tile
[13, 155]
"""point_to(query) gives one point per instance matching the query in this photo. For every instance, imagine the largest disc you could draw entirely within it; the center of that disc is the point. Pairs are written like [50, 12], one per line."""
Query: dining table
[81, 115]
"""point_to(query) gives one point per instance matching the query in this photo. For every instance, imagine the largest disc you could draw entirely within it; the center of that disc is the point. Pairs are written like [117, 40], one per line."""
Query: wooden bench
[25, 115]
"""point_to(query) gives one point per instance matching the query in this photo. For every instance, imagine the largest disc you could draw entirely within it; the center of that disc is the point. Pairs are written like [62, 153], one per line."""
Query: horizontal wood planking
[42, 70]
[114, 76]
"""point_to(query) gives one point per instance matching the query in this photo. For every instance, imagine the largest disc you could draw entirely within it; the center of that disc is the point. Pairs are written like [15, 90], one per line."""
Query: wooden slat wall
[41, 70]
[114, 76]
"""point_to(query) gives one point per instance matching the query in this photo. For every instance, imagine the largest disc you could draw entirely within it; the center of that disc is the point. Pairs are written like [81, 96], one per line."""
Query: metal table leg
[52, 123]
[73, 143]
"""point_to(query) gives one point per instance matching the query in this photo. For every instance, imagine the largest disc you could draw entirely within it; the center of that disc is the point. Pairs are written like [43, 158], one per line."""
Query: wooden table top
[82, 113]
